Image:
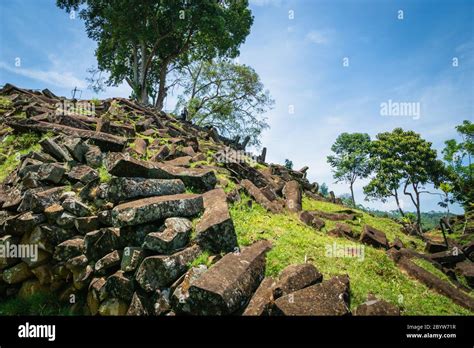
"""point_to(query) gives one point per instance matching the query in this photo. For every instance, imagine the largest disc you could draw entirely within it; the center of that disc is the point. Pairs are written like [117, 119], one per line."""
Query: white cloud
[63, 79]
[318, 37]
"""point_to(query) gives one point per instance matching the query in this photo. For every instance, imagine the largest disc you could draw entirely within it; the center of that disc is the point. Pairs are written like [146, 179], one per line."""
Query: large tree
[351, 158]
[142, 41]
[227, 96]
[458, 157]
[404, 158]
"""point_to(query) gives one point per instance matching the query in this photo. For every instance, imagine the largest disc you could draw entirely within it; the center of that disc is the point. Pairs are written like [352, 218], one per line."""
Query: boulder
[17, 273]
[51, 172]
[156, 208]
[39, 201]
[101, 242]
[292, 194]
[138, 305]
[18, 225]
[159, 271]
[113, 307]
[69, 249]
[308, 218]
[203, 179]
[296, 277]
[119, 285]
[435, 247]
[229, 284]
[261, 300]
[93, 156]
[181, 288]
[86, 224]
[54, 149]
[449, 257]
[108, 261]
[76, 207]
[259, 197]
[374, 306]
[372, 236]
[466, 269]
[175, 236]
[53, 212]
[215, 230]
[342, 230]
[131, 259]
[120, 188]
[76, 148]
[83, 173]
[330, 297]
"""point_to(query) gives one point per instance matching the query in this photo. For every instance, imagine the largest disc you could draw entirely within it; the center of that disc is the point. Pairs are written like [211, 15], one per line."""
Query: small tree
[228, 96]
[351, 159]
[324, 189]
[403, 157]
[288, 164]
[458, 158]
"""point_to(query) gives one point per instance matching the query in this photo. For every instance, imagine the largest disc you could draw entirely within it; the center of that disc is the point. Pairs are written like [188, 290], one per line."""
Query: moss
[104, 175]
[202, 259]
[293, 242]
[13, 147]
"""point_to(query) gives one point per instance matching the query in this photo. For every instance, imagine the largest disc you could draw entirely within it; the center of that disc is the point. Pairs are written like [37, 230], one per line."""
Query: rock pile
[120, 202]
[117, 202]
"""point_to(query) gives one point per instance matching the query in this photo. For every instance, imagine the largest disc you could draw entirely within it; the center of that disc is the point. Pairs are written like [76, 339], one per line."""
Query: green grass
[13, 147]
[202, 259]
[293, 242]
[37, 304]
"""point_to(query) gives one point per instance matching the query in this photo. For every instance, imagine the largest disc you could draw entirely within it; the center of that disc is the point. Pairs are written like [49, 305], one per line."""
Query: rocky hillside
[136, 212]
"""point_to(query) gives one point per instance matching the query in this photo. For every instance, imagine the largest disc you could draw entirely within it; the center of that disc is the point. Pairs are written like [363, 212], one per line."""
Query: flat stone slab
[377, 307]
[229, 284]
[296, 277]
[160, 271]
[124, 166]
[260, 302]
[259, 197]
[374, 237]
[292, 193]
[215, 230]
[330, 297]
[121, 188]
[157, 208]
[175, 236]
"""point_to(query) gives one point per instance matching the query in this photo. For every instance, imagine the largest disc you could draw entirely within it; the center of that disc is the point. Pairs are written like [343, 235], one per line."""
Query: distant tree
[458, 159]
[228, 96]
[142, 41]
[351, 159]
[288, 164]
[324, 190]
[404, 157]
[447, 197]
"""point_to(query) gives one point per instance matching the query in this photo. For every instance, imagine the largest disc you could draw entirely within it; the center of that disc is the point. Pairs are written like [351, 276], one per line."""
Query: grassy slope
[293, 242]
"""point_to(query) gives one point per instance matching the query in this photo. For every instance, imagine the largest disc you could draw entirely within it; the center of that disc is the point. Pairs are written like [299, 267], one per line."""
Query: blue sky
[298, 48]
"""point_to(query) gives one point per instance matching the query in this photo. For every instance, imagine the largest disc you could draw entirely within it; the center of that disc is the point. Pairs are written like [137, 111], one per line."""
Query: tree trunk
[418, 212]
[398, 204]
[160, 99]
[352, 194]
[143, 74]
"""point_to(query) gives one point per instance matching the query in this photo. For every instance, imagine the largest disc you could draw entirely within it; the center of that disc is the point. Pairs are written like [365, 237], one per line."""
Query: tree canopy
[351, 159]
[227, 96]
[142, 41]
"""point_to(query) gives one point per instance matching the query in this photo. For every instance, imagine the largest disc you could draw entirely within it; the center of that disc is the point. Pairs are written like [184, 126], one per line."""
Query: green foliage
[324, 190]
[227, 96]
[293, 242]
[351, 159]
[140, 41]
[202, 259]
[13, 147]
[288, 164]
[104, 175]
[458, 158]
[403, 158]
